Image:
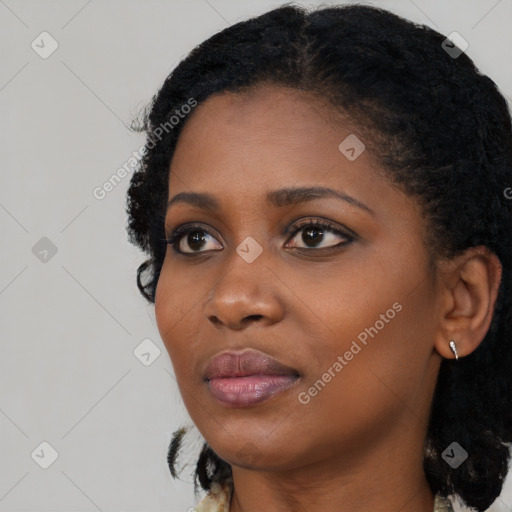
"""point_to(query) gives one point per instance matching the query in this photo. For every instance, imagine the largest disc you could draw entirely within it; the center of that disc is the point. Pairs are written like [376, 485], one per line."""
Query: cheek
[379, 318]
[165, 312]
[172, 311]
[385, 343]
[360, 301]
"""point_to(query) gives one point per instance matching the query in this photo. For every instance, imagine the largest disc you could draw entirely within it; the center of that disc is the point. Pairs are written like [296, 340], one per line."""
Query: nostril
[253, 317]
[217, 321]
[214, 320]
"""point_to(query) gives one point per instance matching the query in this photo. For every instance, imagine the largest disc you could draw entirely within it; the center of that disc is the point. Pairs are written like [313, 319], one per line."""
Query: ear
[468, 290]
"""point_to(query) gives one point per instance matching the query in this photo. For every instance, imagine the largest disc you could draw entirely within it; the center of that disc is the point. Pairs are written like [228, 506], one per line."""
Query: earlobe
[470, 289]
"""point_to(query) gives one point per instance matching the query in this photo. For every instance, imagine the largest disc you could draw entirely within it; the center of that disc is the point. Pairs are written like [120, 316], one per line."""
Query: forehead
[265, 136]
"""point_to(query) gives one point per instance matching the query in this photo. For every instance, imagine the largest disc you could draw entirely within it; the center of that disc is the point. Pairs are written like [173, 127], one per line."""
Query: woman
[323, 198]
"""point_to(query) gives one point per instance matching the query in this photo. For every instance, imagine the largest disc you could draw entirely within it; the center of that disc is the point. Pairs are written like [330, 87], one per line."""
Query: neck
[385, 477]
[256, 492]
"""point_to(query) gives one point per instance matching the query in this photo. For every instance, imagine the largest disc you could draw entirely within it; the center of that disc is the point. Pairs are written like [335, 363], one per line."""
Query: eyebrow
[278, 198]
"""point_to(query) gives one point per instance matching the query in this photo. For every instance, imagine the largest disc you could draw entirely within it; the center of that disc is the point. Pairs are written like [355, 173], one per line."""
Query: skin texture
[358, 444]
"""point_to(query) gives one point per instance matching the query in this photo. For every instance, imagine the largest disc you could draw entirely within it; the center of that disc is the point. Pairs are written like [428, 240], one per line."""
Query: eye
[192, 235]
[317, 231]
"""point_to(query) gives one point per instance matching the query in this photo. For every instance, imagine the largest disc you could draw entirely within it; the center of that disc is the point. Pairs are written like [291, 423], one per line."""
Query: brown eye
[194, 236]
[317, 232]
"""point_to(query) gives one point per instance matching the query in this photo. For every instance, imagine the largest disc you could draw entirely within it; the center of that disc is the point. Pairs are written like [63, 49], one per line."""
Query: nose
[244, 296]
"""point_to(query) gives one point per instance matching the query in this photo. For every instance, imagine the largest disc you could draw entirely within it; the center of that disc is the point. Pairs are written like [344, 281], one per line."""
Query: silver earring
[453, 346]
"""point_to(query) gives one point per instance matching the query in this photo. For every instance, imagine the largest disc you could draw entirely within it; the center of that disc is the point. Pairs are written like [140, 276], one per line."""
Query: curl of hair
[441, 131]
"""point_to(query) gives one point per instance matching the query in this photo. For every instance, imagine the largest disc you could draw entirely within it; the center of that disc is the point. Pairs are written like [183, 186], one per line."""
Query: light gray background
[70, 324]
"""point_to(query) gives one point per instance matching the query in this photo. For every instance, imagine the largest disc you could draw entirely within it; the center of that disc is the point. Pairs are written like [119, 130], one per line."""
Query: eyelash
[177, 234]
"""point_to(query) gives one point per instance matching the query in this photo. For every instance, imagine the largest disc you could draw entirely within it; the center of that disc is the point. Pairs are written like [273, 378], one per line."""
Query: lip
[247, 378]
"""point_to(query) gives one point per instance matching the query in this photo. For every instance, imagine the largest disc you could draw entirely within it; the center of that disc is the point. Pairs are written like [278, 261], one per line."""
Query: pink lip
[249, 377]
[249, 390]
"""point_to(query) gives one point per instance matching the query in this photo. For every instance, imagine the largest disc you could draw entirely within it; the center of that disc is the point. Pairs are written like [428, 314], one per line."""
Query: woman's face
[349, 307]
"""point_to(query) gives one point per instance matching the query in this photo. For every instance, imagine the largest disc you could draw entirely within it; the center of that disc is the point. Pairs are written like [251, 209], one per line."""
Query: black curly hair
[441, 131]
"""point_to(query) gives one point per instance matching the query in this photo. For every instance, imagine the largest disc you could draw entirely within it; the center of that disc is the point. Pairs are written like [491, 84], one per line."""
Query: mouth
[248, 378]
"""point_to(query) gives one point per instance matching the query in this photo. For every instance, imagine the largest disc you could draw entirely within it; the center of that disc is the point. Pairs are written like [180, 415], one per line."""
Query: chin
[250, 455]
